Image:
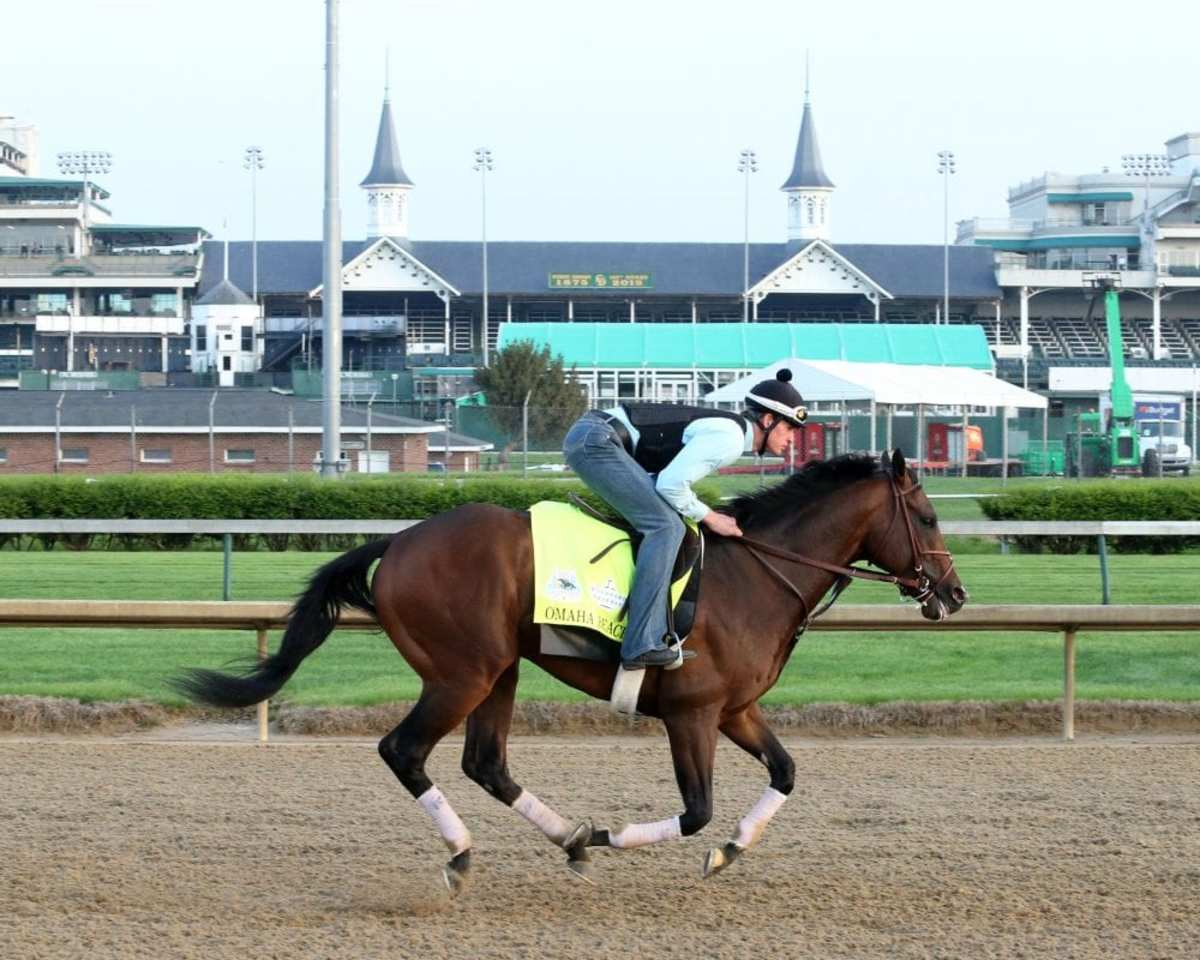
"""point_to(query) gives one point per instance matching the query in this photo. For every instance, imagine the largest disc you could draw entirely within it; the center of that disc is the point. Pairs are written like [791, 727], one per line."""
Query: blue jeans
[594, 452]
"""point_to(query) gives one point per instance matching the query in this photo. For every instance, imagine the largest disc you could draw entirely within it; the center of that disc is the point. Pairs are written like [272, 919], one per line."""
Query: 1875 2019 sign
[601, 281]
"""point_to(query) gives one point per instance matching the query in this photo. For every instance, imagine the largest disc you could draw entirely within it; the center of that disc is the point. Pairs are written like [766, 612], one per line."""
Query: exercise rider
[617, 451]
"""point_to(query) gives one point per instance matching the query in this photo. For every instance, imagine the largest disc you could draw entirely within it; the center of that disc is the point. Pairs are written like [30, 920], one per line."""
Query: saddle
[583, 571]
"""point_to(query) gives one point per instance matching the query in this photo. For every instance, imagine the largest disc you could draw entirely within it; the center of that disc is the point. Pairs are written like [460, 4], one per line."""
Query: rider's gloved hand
[721, 524]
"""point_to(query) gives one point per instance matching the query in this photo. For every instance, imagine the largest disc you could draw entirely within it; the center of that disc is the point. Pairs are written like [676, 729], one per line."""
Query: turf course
[355, 668]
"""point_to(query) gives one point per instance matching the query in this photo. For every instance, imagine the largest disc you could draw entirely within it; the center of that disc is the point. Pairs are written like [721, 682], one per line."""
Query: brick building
[188, 431]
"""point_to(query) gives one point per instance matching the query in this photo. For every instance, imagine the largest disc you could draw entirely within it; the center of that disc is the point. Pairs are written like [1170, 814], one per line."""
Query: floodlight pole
[747, 164]
[483, 163]
[331, 285]
[945, 168]
[83, 163]
[252, 160]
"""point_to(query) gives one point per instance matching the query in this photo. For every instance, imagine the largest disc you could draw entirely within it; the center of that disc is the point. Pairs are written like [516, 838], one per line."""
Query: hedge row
[1102, 500]
[231, 497]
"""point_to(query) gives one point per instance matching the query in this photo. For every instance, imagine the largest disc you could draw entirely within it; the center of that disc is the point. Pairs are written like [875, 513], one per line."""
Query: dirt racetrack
[147, 847]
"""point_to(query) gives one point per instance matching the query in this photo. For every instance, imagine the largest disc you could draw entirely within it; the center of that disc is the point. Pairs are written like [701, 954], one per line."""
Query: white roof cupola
[387, 184]
[809, 189]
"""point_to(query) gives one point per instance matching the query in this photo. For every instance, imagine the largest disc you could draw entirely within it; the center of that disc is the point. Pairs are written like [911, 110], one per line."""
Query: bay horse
[455, 595]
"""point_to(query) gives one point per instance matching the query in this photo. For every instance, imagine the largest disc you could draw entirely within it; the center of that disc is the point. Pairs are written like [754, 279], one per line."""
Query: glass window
[161, 455]
[3, 455]
[1170, 428]
[116, 301]
[75, 455]
[163, 304]
[52, 303]
[248, 339]
[201, 336]
[239, 456]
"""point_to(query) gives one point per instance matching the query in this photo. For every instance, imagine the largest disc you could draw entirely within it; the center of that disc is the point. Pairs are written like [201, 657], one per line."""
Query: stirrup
[675, 644]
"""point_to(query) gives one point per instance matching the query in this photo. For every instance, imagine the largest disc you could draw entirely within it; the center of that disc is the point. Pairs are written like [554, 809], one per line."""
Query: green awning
[1124, 241]
[42, 185]
[750, 346]
[1096, 196]
[145, 234]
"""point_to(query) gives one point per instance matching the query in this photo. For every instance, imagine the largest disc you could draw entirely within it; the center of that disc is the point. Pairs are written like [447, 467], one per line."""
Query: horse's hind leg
[438, 711]
[749, 731]
[485, 760]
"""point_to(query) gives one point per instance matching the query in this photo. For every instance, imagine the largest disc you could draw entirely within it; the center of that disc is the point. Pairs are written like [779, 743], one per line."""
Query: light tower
[747, 164]
[945, 168]
[1146, 166]
[84, 163]
[483, 163]
[252, 160]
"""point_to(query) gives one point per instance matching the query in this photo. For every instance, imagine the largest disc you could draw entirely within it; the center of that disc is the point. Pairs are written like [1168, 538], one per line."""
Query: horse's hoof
[456, 872]
[719, 858]
[579, 861]
[579, 837]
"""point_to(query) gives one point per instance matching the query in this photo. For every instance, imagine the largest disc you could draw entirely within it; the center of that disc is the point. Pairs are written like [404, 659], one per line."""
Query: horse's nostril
[959, 594]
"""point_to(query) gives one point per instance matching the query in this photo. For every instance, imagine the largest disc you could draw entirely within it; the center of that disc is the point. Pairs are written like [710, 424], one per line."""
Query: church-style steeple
[387, 184]
[809, 189]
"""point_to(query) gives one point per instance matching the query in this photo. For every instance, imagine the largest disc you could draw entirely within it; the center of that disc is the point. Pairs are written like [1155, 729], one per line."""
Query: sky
[613, 121]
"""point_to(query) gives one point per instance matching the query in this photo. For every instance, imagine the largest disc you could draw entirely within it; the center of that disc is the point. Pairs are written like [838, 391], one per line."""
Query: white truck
[1160, 426]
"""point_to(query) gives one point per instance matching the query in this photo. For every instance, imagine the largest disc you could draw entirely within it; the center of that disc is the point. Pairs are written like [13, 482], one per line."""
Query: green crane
[1106, 442]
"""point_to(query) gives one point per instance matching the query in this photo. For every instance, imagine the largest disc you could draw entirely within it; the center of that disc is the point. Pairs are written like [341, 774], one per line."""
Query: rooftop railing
[30, 261]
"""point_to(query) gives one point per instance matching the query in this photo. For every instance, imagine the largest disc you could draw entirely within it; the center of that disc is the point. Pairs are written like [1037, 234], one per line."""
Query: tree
[556, 398]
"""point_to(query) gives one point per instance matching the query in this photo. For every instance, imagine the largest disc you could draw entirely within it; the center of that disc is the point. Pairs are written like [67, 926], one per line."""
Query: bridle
[918, 586]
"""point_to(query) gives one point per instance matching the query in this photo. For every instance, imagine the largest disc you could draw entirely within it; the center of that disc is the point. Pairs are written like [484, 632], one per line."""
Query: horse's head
[906, 542]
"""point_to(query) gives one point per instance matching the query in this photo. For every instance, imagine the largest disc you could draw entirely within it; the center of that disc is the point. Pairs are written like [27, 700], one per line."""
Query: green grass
[355, 668]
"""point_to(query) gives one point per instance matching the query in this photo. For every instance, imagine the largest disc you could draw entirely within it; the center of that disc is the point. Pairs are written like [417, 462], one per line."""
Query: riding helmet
[779, 397]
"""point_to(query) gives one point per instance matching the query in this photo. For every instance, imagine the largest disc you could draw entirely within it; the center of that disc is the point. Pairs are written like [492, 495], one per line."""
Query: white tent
[896, 384]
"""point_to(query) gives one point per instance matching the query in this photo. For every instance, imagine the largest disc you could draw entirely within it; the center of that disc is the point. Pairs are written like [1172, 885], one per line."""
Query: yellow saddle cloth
[583, 570]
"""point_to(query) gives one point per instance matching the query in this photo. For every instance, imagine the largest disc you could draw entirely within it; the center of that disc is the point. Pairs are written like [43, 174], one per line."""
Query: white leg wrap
[454, 832]
[640, 834]
[542, 817]
[751, 826]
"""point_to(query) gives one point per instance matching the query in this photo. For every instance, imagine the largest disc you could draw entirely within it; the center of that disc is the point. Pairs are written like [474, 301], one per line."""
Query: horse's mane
[815, 480]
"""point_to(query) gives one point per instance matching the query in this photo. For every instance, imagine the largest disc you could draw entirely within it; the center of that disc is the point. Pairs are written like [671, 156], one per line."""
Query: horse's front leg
[749, 731]
[693, 738]
[485, 760]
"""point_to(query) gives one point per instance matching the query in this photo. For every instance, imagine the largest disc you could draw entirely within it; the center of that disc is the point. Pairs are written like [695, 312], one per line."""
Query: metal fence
[261, 617]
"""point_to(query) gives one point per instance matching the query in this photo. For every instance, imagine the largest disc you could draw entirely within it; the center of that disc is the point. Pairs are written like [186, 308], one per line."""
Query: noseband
[918, 586]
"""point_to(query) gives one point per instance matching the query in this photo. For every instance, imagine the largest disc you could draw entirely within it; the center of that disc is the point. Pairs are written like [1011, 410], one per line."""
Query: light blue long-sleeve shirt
[708, 444]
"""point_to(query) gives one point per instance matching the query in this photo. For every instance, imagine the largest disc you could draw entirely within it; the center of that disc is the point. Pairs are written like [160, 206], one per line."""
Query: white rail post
[265, 705]
[1068, 707]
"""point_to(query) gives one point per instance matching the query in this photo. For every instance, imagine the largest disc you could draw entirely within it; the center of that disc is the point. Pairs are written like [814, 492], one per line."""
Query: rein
[918, 586]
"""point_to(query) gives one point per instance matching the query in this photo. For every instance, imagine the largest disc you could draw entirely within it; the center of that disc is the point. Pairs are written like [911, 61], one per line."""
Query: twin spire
[808, 186]
[386, 169]
[386, 183]
[809, 189]
[806, 168]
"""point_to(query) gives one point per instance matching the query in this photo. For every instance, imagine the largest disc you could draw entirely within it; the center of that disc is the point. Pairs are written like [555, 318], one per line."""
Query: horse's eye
[929, 521]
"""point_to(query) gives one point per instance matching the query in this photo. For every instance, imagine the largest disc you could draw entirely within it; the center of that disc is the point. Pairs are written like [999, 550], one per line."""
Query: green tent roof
[739, 346]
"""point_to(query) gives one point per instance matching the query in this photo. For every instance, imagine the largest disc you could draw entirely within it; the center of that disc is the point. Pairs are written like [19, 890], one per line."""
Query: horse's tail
[342, 581]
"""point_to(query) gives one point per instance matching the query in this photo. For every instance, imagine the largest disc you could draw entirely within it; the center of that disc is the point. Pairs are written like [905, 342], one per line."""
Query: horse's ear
[898, 464]
[885, 462]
